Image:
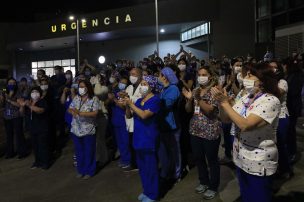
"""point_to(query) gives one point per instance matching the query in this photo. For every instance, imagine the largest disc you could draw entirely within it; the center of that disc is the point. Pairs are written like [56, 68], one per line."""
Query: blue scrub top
[169, 108]
[145, 131]
[118, 114]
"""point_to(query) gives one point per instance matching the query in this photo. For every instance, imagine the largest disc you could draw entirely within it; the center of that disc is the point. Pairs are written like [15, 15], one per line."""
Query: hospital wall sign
[92, 23]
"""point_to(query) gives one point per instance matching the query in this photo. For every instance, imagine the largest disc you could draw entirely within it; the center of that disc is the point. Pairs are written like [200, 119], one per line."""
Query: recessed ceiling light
[101, 59]
[162, 30]
[20, 49]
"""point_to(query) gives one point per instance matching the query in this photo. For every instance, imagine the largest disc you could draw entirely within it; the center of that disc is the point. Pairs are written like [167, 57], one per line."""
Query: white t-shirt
[134, 97]
[255, 150]
[284, 86]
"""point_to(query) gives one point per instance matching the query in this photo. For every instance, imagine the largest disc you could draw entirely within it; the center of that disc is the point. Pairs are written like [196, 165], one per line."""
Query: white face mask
[202, 80]
[82, 91]
[44, 87]
[182, 67]
[237, 69]
[112, 79]
[133, 79]
[248, 84]
[143, 90]
[240, 78]
[68, 76]
[35, 96]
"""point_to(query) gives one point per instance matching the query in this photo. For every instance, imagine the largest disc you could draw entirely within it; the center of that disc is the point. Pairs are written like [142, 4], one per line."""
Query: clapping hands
[187, 93]
[220, 95]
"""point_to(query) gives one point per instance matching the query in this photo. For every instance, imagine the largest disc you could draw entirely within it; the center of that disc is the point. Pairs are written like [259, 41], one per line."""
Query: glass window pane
[72, 62]
[264, 33]
[73, 69]
[41, 64]
[34, 73]
[49, 71]
[185, 36]
[57, 62]
[66, 68]
[49, 63]
[279, 5]
[34, 64]
[189, 34]
[206, 28]
[198, 31]
[193, 33]
[66, 62]
[263, 8]
[182, 37]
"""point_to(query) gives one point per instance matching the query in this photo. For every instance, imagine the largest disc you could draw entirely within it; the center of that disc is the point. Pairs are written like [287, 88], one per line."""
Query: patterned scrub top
[255, 151]
[82, 126]
[10, 111]
[203, 126]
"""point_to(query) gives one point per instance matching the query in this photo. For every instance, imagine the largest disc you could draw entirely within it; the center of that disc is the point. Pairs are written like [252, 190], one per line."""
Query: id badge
[197, 110]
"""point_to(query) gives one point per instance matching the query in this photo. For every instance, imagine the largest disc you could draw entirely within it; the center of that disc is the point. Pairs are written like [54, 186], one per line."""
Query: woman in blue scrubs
[145, 136]
[119, 124]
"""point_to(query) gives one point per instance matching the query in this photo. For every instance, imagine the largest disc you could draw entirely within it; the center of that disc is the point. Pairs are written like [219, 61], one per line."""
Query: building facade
[130, 33]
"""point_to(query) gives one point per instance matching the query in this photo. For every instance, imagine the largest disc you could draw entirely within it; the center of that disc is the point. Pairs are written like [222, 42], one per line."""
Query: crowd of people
[163, 117]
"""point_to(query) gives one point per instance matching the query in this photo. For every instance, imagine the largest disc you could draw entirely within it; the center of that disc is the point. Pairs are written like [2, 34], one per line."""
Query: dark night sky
[33, 10]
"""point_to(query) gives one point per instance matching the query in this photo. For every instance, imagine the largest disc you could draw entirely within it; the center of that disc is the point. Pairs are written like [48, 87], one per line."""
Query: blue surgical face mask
[122, 86]
[11, 87]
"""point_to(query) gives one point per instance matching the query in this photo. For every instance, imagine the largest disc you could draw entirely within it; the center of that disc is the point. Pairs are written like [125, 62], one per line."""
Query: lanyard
[248, 103]
[82, 103]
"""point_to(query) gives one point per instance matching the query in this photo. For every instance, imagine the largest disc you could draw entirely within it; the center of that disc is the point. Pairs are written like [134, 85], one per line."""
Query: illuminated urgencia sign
[93, 23]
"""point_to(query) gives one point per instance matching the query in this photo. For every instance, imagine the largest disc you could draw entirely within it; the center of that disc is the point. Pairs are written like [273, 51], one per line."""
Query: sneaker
[147, 199]
[79, 175]
[209, 194]
[130, 169]
[201, 189]
[34, 166]
[141, 197]
[121, 165]
[86, 177]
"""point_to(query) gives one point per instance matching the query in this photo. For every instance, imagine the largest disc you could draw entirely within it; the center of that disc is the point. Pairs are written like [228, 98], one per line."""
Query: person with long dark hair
[84, 109]
[295, 82]
[205, 132]
[13, 120]
[256, 116]
[284, 167]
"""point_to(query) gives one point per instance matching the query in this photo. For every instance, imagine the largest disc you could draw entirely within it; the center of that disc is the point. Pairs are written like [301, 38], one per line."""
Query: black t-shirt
[39, 122]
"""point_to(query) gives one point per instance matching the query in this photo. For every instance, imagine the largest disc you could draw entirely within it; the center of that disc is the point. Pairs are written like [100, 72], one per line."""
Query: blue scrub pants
[282, 132]
[85, 149]
[148, 171]
[122, 139]
[254, 188]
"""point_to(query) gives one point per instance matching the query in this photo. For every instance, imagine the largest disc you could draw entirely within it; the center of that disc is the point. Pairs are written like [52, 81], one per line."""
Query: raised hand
[187, 93]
